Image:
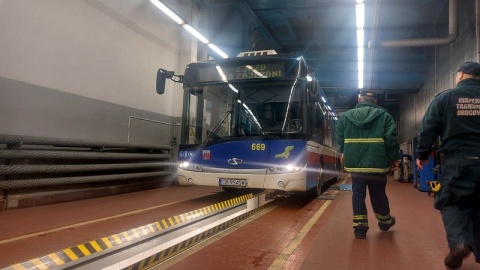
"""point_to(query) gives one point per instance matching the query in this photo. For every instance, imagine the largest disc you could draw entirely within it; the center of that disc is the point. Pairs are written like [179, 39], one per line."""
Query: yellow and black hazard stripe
[59, 258]
[182, 246]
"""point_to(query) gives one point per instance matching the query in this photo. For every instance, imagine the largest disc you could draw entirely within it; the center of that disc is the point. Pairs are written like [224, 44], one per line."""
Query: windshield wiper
[257, 126]
[213, 134]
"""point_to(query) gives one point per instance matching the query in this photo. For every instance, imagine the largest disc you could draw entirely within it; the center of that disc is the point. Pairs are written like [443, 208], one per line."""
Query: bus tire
[318, 188]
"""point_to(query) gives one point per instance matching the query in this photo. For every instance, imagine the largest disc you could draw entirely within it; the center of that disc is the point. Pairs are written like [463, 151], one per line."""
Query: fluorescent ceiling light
[195, 33]
[217, 50]
[167, 11]
[233, 88]
[187, 27]
[220, 71]
[256, 72]
[360, 79]
[360, 66]
[361, 53]
[360, 12]
[360, 37]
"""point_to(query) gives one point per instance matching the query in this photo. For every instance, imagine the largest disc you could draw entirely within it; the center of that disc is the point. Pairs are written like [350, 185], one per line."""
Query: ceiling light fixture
[217, 50]
[188, 27]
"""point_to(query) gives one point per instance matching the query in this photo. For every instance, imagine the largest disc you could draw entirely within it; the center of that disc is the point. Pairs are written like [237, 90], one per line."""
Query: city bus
[256, 121]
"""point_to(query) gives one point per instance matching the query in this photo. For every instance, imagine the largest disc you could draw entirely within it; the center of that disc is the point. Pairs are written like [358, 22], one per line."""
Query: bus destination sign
[255, 71]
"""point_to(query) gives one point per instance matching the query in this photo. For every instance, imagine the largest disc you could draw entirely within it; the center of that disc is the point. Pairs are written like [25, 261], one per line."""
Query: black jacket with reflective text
[454, 115]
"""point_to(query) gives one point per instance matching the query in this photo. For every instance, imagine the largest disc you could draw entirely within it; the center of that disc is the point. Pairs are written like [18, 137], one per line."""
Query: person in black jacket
[454, 115]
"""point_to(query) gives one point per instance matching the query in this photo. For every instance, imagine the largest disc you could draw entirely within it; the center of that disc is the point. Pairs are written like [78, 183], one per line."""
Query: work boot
[360, 236]
[360, 233]
[385, 227]
[455, 258]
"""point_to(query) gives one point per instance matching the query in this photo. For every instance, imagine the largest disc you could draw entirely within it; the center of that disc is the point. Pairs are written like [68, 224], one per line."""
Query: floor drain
[326, 197]
[341, 187]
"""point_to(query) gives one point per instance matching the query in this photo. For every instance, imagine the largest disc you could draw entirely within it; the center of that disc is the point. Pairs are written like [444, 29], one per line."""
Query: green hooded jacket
[367, 136]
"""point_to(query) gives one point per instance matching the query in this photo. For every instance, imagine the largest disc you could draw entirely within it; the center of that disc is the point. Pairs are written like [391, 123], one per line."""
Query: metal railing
[41, 161]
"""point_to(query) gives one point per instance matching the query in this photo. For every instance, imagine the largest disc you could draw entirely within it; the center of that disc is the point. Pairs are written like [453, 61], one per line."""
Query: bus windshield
[245, 109]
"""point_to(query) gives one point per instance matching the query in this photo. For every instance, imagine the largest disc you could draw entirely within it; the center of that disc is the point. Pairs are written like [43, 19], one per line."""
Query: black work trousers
[376, 184]
[459, 202]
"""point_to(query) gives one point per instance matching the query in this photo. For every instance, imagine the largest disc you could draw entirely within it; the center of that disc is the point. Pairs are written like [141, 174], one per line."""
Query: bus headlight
[190, 166]
[283, 169]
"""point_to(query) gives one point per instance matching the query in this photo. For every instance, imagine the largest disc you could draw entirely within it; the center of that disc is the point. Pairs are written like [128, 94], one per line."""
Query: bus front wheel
[318, 189]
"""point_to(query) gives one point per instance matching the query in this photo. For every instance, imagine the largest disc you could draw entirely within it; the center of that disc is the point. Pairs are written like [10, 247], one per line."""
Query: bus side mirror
[162, 76]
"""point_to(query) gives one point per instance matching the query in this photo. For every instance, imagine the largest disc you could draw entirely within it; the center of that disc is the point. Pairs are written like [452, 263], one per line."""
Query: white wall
[107, 50]
[86, 69]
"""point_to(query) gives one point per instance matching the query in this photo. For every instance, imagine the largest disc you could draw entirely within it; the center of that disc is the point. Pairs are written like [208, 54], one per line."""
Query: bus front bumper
[295, 181]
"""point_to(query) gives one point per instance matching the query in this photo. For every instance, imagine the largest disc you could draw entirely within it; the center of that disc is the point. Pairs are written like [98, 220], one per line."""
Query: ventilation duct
[452, 32]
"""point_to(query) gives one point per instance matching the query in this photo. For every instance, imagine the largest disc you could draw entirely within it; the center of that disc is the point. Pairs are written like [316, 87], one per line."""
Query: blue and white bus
[259, 121]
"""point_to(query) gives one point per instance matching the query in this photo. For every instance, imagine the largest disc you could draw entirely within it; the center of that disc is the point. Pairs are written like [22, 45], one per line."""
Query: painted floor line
[13, 239]
[183, 255]
[290, 248]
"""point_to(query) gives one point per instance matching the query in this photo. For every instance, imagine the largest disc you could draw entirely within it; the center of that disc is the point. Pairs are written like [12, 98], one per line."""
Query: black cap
[470, 67]
[368, 93]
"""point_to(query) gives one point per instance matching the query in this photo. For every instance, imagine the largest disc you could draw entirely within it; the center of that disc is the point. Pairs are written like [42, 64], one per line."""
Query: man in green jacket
[367, 139]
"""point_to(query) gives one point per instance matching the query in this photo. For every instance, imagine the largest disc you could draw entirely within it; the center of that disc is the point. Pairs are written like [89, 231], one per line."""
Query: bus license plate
[232, 182]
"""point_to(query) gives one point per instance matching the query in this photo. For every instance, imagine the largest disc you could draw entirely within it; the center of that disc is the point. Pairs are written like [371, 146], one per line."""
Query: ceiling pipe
[452, 32]
[477, 27]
